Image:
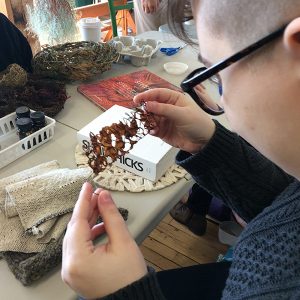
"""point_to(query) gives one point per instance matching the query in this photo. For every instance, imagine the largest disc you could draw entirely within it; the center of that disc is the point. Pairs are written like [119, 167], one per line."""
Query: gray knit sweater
[266, 261]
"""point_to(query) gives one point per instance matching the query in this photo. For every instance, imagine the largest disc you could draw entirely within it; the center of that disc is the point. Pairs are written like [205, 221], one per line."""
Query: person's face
[260, 96]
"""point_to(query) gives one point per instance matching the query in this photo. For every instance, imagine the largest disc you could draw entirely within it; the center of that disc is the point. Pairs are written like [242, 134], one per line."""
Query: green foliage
[52, 21]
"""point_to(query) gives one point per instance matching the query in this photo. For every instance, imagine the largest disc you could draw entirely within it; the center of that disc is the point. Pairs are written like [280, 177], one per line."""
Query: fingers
[82, 207]
[79, 229]
[114, 224]
[160, 95]
[94, 212]
[149, 8]
[97, 230]
[166, 111]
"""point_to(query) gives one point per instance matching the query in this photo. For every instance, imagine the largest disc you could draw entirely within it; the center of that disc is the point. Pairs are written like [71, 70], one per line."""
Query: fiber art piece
[30, 267]
[52, 21]
[74, 61]
[116, 140]
[13, 76]
[35, 207]
[18, 88]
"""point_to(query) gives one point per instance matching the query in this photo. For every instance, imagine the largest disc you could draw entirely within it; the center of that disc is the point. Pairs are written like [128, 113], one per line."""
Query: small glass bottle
[24, 127]
[38, 122]
[23, 112]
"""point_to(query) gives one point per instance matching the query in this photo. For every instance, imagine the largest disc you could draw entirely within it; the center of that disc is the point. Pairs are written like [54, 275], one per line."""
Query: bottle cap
[37, 117]
[24, 124]
[23, 112]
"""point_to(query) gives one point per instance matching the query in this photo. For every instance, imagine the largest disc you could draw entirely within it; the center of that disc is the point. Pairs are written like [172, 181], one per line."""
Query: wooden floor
[171, 245]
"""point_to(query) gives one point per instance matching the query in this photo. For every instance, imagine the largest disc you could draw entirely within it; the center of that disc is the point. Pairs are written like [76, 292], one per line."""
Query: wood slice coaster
[117, 179]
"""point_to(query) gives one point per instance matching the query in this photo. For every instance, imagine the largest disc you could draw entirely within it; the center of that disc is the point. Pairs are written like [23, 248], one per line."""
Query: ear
[291, 37]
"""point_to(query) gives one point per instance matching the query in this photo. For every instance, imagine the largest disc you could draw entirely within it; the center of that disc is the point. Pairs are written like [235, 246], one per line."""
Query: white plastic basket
[11, 148]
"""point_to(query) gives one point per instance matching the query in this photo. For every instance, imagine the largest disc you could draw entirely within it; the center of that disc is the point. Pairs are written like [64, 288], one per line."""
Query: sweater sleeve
[232, 170]
[14, 46]
[146, 288]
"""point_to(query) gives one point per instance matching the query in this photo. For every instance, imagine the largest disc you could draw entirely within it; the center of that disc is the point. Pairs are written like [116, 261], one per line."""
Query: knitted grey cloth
[29, 267]
[266, 260]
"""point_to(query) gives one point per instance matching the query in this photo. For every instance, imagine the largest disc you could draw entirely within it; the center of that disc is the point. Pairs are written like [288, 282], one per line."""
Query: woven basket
[74, 61]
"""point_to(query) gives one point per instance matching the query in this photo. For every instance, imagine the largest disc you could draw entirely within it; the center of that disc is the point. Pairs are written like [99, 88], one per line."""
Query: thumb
[114, 224]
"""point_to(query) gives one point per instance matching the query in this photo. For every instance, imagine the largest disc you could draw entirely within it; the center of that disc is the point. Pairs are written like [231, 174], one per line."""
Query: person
[151, 14]
[14, 47]
[253, 49]
[192, 212]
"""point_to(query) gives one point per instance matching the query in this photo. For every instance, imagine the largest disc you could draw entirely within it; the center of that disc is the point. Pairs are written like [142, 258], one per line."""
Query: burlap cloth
[117, 179]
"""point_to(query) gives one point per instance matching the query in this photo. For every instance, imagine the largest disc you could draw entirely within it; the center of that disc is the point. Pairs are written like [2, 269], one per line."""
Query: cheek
[241, 118]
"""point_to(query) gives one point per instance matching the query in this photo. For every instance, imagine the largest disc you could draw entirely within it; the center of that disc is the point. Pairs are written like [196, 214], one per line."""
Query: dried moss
[45, 95]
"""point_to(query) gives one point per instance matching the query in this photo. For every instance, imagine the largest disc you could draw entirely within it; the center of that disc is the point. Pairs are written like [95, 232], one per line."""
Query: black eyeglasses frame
[201, 74]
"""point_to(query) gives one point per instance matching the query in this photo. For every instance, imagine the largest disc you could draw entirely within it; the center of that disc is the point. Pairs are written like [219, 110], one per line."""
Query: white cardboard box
[150, 157]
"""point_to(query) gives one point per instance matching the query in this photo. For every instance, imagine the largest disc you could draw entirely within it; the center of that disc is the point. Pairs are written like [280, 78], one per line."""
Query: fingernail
[97, 191]
[106, 197]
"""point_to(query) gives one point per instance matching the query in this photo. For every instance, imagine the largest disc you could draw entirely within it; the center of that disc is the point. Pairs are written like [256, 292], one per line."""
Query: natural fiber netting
[13, 76]
[116, 140]
[74, 61]
[45, 95]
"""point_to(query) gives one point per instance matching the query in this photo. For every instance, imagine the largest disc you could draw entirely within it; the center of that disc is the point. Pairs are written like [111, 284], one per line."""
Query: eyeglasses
[204, 84]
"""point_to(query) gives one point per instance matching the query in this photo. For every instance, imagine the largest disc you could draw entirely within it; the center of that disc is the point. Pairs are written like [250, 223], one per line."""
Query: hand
[96, 271]
[180, 122]
[150, 6]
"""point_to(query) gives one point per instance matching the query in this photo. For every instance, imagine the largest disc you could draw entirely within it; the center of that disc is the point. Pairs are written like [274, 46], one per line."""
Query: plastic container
[175, 68]
[229, 232]
[90, 29]
[138, 51]
[11, 148]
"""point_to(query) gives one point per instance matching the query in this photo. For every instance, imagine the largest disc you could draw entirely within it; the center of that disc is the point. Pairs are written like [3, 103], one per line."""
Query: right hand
[96, 270]
[180, 121]
[150, 6]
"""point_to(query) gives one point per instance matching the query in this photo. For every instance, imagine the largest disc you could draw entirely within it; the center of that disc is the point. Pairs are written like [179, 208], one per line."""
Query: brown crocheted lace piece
[116, 140]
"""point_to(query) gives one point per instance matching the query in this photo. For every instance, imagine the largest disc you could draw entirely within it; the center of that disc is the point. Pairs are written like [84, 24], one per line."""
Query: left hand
[150, 6]
[94, 271]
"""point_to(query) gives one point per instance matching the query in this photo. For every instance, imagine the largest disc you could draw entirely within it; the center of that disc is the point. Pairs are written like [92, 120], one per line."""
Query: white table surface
[145, 209]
